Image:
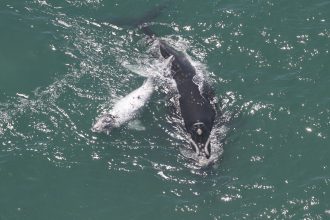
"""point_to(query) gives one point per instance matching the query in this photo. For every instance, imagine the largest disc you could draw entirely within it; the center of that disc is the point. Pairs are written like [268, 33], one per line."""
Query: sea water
[63, 62]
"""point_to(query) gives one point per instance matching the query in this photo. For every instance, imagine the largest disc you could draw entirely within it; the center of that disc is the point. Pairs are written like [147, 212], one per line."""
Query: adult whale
[197, 106]
[196, 102]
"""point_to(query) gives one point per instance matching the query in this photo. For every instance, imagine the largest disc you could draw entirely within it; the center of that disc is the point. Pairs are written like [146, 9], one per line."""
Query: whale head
[200, 139]
[105, 123]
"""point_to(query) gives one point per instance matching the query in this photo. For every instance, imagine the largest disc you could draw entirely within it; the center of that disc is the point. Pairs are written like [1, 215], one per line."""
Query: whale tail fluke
[138, 21]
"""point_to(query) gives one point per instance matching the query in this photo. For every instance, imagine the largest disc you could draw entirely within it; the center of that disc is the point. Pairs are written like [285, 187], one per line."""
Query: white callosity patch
[126, 108]
[217, 135]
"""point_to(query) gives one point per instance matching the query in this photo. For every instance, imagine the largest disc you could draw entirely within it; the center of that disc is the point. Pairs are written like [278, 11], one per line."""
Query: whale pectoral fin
[136, 125]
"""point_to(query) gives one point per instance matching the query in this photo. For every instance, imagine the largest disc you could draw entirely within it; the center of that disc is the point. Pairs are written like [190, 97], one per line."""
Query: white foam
[22, 95]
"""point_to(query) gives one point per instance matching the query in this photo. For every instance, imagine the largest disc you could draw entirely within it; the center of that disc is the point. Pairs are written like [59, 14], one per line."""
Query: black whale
[196, 106]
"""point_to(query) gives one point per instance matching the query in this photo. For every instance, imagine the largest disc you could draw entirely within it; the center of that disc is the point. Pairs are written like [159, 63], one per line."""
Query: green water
[59, 68]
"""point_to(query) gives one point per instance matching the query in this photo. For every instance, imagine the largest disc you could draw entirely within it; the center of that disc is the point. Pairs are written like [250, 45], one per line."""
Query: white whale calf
[125, 109]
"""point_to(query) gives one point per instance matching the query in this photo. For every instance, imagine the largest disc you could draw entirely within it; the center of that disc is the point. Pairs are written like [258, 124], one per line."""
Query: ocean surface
[63, 63]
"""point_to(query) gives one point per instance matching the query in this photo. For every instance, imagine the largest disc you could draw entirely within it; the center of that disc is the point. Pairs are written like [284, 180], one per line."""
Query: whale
[197, 102]
[126, 109]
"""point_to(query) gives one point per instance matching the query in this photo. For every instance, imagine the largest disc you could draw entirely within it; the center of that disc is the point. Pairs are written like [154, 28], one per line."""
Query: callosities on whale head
[200, 139]
[105, 123]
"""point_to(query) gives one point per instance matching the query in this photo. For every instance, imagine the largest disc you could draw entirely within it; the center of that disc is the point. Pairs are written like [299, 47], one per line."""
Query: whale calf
[125, 109]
